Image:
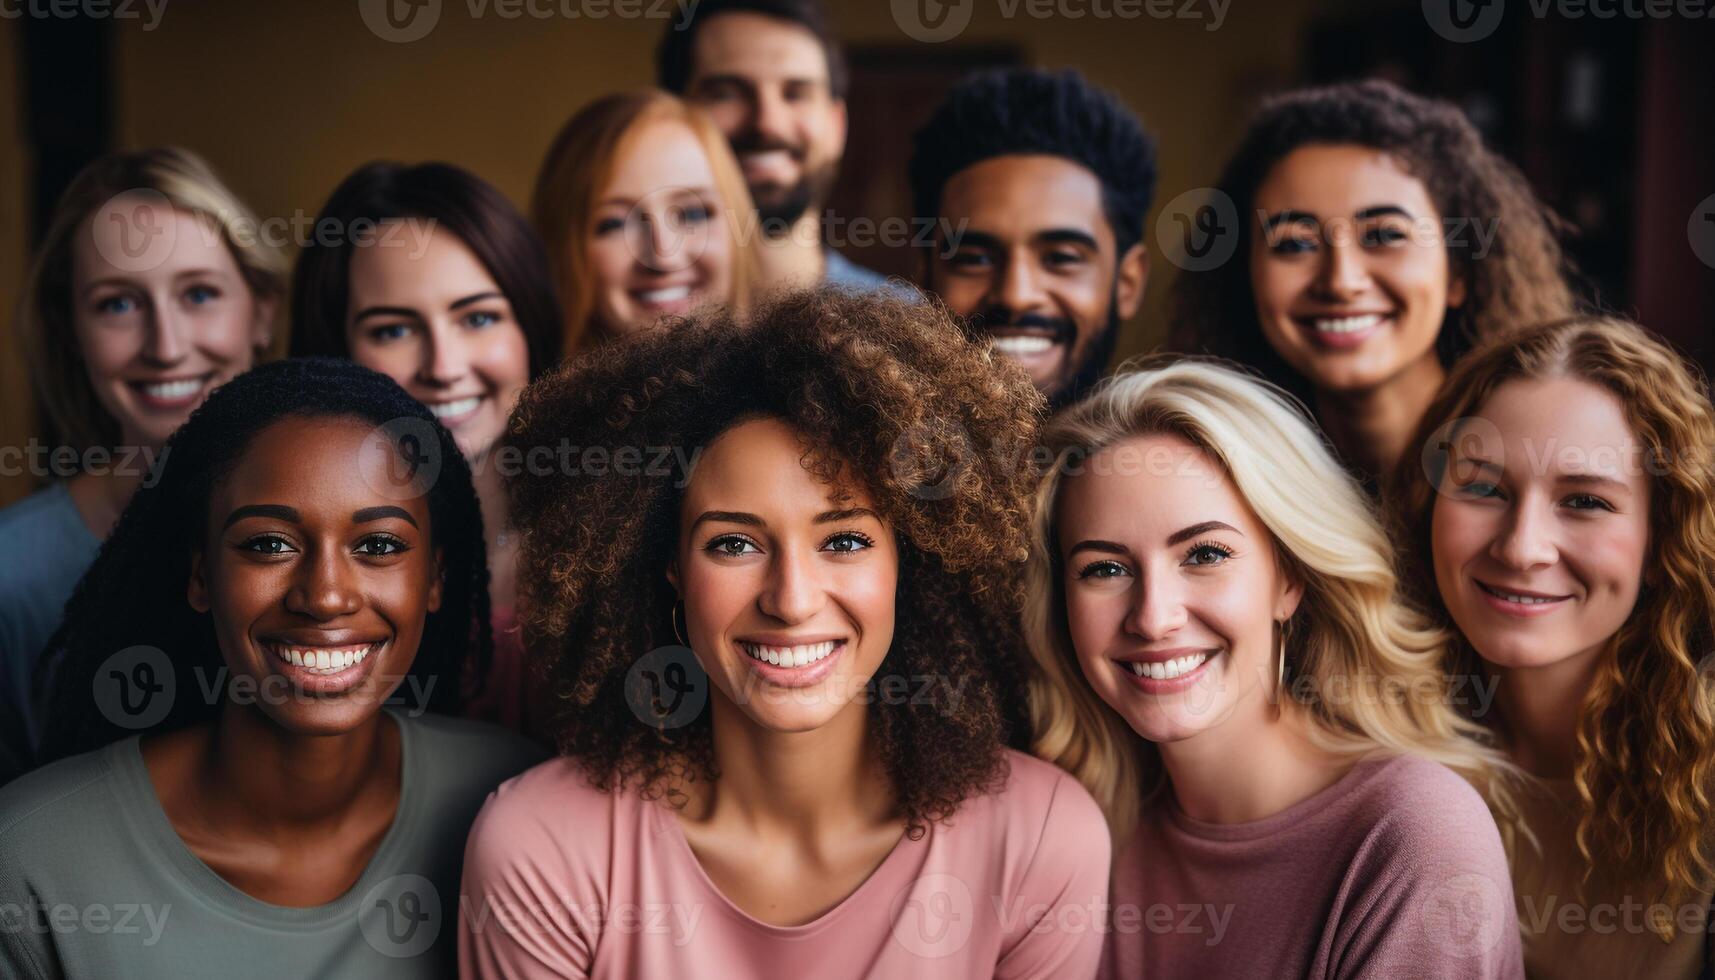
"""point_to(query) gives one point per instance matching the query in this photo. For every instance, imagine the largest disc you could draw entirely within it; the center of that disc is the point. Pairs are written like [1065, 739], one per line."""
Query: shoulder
[846, 274]
[1417, 802]
[46, 527]
[1038, 808]
[549, 815]
[48, 809]
[484, 751]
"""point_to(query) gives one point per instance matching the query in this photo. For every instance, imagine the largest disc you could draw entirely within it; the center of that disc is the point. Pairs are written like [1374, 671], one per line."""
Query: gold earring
[1280, 656]
[676, 634]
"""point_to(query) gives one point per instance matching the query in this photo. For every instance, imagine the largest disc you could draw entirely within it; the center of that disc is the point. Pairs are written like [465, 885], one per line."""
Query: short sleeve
[1063, 894]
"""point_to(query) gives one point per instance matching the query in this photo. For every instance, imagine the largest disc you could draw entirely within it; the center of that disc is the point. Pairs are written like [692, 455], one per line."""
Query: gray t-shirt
[44, 549]
[95, 883]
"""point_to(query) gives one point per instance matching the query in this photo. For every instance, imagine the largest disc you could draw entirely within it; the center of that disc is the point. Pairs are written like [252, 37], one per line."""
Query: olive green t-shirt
[95, 883]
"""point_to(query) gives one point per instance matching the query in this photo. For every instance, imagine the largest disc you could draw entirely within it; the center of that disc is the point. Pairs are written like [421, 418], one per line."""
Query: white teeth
[173, 390]
[1166, 670]
[798, 656]
[444, 410]
[766, 157]
[1347, 324]
[671, 294]
[1021, 345]
[323, 660]
[1523, 600]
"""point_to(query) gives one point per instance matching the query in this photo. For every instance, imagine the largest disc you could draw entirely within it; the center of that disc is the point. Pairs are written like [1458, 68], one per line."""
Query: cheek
[503, 358]
[715, 597]
[397, 360]
[610, 261]
[230, 331]
[1458, 533]
[1610, 560]
[715, 255]
[869, 594]
[1417, 275]
[1093, 619]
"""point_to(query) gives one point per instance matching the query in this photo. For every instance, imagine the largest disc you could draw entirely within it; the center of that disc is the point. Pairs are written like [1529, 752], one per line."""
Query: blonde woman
[1565, 528]
[150, 289]
[1224, 665]
[645, 214]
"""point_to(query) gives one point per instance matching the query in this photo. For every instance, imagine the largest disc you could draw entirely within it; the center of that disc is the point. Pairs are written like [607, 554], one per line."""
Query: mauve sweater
[1395, 871]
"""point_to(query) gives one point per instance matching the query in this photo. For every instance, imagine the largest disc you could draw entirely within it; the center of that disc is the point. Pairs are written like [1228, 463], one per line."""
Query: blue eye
[1479, 488]
[198, 295]
[389, 331]
[116, 305]
[481, 318]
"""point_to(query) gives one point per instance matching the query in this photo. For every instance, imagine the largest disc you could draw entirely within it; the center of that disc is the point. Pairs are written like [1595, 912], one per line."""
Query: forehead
[1141, 490]
[1340, 179]
[1018, 196]
[757, 47]
[659, 155]
[758, 466]
[1553, 426]
[127, 223]
[326, 468]
[400, 264]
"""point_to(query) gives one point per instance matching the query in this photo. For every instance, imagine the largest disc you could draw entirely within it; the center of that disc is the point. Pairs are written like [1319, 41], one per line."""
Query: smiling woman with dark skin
[249, 699]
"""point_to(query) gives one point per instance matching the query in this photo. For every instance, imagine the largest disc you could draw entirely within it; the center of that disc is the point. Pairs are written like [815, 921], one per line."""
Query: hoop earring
[676, 634]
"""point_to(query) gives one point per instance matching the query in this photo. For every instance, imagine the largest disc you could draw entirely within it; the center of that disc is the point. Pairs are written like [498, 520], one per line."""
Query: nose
[1157, 609]
[771, 117]
[321, 589]
[166, 333]
[1019, 286]
[1526, 540]
[445, 359]
[1345, 272]
[661, 239]
[794, 591]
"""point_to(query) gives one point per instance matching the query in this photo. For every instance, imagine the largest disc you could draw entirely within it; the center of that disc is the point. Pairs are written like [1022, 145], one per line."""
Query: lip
[663, 298]
[315, 682]
[1175, 685]
[461, 414]
[1520, 610]
[765, 162]
[1346, 340]
[176, 401]
[806, 676]
[1027, 347]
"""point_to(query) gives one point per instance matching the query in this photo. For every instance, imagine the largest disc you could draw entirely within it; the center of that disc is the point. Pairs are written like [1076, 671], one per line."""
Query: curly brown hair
[1646, 734]
[892, 393]
[1521, 278]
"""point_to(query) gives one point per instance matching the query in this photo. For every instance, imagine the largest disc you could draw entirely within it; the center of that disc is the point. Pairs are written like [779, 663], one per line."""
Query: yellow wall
[285, 98]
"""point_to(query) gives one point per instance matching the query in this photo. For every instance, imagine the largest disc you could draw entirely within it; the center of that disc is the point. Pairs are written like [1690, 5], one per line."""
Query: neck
[1371, 426]
[793, 259]
[797, 785]
[491, 498]
[294, 783]
[1249, 769]
[1540, 707]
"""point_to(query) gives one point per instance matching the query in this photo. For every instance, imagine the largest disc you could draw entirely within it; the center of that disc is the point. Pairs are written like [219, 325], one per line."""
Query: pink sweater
[1395, 871]
[563, 881]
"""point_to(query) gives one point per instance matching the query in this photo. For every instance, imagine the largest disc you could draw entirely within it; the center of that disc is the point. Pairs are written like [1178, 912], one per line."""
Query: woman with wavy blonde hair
[1562, 519]
[1225, 665]
[645, 214]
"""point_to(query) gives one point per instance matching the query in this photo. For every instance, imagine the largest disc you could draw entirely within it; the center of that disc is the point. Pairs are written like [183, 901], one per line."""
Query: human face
[661, 240]
[1541, 525]
[1168, 572]
[156, 341]
[764, 82]
[437, 323]
[1349, 267]
[772, 561]
[1035, 269]
[303, 558]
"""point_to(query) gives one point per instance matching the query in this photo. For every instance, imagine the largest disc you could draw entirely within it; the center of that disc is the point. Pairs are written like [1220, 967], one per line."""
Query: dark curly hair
[1521, 279]
[134, 593]
[452, 198]
[1027, 110]
[936, 427]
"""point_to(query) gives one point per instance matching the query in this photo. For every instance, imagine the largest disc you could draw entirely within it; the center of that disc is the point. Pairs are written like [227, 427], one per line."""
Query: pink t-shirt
[1395, 871]
[561, 880]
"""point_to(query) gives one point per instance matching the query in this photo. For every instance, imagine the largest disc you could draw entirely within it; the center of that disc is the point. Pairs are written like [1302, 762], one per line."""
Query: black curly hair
[134, 593]
[450, 197]
[1010, 111]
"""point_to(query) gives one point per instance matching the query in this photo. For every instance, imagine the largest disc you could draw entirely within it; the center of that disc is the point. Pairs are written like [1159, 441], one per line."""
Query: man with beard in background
[1044, 181]
[772, 76]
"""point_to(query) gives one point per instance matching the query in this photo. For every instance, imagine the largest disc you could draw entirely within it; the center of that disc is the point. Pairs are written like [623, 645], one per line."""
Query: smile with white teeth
[1346, 324]
[453, 409]
[1523, 600]
[668, 294]
[1166, 670]
[173, 390]
[1021, 345]
[762, 158]
[798, 656]
[323, 660]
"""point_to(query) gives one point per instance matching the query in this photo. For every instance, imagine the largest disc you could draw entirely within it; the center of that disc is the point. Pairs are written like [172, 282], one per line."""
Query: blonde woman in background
[1224, 664]
[149, 290]
[645, 214]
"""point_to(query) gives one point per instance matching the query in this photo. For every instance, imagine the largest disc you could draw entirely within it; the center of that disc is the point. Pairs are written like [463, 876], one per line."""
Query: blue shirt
[846, 274]
[46, 548]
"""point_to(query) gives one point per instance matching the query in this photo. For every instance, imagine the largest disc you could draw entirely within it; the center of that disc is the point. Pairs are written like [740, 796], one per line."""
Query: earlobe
[437, 586]
[1133, 278]
[196, 590]
[1456, 292]
[1291, 594]
[673, 575]
[262, 332]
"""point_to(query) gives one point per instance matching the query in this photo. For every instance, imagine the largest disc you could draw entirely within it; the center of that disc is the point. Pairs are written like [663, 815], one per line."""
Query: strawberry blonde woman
[840, 802]
[1224, 664]
[1563, 521]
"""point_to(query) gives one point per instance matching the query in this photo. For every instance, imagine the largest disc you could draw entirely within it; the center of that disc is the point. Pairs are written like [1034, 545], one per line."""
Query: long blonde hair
[1350, 631]
[45, 308]
[578, 165]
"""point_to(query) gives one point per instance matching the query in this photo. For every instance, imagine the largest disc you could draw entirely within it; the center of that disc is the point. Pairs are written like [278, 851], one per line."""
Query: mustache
[755, 142]
[994, 318]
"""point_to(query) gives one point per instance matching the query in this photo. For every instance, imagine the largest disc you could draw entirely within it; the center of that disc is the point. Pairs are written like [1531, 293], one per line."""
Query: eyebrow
[1187, 533]
[699, 191]
[281, 512]
[829, 516]
[1576, 479]
[1049, 236]
[385, 311]
[751, 520]
[1288, 216]
[367, 514]
[1382, 211]
[476, 298]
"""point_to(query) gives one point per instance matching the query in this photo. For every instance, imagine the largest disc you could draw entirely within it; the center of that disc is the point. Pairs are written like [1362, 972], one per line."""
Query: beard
[1079, 376]
[780, 206]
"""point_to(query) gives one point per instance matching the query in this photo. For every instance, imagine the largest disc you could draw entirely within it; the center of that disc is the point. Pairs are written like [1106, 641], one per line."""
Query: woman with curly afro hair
[828, 506]
[1562, 519]
[1377, 239]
